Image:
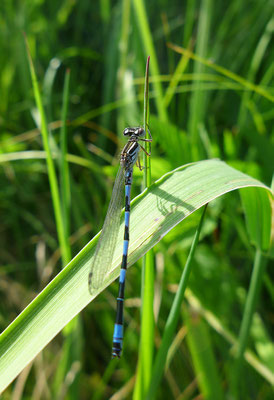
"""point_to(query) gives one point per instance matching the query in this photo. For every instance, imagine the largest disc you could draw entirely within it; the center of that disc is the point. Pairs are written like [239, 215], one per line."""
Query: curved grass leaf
[154, 213]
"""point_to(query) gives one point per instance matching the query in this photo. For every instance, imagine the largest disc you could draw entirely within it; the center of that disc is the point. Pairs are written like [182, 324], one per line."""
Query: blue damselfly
[108, 238]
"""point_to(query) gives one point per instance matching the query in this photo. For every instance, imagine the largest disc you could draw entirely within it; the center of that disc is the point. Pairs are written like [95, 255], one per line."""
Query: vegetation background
[196, 113]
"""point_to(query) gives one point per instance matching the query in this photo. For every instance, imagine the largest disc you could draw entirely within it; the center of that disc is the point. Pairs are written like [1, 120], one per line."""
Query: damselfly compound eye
[126, 132]
[140, 132]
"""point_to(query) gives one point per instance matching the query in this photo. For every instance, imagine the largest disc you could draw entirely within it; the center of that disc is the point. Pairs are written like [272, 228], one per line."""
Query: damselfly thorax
[130, 152]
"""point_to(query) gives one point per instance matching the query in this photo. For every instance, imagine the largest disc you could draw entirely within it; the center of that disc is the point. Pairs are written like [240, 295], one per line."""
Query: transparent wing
[108, 238]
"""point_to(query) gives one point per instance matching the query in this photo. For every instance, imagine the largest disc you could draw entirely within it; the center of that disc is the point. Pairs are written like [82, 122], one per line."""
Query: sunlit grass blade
[154, 213]
[41, 155]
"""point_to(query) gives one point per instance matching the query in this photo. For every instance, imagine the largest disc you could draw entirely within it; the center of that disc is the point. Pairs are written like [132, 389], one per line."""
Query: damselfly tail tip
[116, 350]
[115, 355]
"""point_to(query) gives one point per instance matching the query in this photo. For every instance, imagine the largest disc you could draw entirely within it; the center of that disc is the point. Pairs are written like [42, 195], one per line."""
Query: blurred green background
[196, 112]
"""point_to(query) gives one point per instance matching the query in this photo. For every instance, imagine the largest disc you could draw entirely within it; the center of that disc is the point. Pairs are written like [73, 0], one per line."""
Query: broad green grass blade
[154, 213]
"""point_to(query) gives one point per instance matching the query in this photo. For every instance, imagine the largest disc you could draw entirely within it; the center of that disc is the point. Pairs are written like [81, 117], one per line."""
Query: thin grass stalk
[103, 383]
[125, 28]
[255, 64]
[50, 164]
[225, 72]
[73, 331]
[197, 100]
[142, 20]
[147, 327]
[146, 345]
[147, 160]
[161, 357]
[64, 169]
[175, 79]
[190, 18]
[105, 10]
[251, 301]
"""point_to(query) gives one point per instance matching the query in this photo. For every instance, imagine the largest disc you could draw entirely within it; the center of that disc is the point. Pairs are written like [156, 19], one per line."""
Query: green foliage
[210, 97]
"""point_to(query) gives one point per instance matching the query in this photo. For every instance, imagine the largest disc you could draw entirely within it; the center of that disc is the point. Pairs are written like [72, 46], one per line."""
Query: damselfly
[108, 238]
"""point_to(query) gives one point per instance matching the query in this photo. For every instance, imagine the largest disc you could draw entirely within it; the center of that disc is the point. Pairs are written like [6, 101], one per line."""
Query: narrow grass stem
[50, 164]
[160, 361]
[145, 33]
[146, 345]
[251, 300]
[64, 170]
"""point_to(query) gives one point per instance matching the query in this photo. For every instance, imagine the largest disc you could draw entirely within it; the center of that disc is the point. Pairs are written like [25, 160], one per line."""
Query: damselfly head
[128, 131]
[136, 131]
